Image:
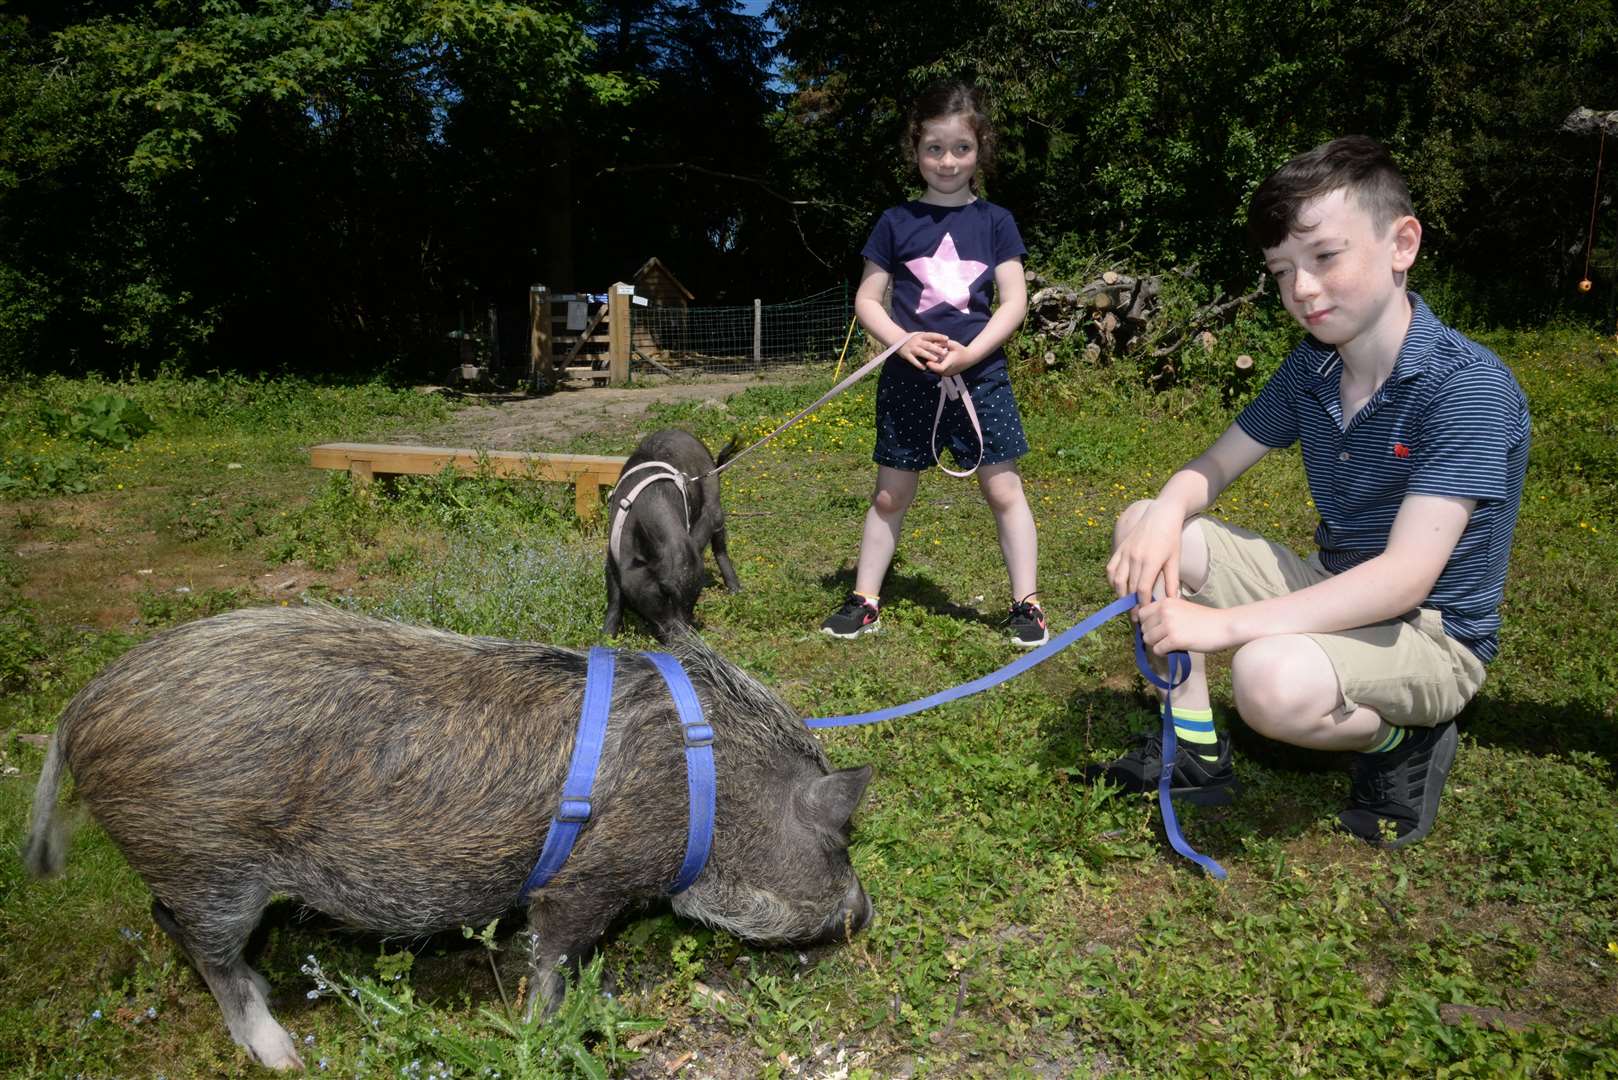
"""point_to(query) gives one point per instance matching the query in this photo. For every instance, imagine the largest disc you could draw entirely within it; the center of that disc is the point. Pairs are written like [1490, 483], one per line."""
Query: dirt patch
[521, 422]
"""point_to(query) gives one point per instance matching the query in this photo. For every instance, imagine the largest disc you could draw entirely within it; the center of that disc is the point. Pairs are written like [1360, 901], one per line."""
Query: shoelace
[854, 605]
[1371, 785]
[1027, 608]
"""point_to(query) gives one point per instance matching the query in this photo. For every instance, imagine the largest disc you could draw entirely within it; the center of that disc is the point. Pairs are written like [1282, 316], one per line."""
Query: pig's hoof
[273, 1048]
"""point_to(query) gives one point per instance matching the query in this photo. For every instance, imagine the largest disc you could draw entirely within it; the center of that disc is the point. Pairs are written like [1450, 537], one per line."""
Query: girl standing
[945, 254]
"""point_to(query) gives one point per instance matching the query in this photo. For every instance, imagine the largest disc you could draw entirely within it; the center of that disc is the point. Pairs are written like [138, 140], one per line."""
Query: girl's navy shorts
[907, 400]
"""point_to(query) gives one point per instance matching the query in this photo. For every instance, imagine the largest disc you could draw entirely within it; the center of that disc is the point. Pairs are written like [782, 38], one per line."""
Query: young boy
[1415, 441]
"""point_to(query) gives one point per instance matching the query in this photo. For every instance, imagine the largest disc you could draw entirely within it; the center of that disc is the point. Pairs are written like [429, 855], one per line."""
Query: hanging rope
[1595, 200]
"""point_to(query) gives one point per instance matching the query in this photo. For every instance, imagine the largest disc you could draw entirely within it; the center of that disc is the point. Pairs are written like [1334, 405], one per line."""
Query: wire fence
[743, 338]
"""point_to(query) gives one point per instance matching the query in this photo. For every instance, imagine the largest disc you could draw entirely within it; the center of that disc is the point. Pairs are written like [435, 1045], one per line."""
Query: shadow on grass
[1540, 728]
[1284, 791]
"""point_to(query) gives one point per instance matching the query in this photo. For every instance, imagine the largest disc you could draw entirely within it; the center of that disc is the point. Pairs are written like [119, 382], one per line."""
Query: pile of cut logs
[1115, 314]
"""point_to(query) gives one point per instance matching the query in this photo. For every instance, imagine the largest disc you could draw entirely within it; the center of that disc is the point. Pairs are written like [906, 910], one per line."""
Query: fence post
[618, 303]
[541, 370]
[758, 333]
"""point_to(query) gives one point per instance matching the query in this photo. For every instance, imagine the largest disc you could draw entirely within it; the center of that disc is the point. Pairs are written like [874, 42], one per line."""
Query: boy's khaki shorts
[1407, 669]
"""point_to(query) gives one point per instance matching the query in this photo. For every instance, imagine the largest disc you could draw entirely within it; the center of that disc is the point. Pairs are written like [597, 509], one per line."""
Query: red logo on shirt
[1401, 450]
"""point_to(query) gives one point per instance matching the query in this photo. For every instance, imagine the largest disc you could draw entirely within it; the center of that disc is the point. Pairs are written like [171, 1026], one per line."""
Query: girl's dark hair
[1357, 164]
[952, 99]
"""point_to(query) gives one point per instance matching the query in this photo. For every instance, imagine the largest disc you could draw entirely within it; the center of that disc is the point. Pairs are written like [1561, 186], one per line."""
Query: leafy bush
[109, 419]
[64, 473]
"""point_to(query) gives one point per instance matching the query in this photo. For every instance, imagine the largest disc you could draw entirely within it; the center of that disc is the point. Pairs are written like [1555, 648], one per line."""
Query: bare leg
[895, 491]
[1285, 686]
[1287, 689]
[1001, 485]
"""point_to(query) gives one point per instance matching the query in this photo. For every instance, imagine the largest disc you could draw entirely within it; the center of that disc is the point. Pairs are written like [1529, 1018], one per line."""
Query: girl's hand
[955, 360]
[924, 348]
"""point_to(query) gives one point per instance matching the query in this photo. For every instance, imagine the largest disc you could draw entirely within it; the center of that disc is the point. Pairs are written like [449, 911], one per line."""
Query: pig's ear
[831, 799]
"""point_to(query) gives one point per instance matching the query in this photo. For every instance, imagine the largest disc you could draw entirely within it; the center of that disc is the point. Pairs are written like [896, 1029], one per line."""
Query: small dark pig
[402, 779]
[658, 567]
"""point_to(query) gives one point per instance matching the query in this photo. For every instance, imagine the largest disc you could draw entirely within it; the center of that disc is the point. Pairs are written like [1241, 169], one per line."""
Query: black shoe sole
[1205, 795]
[1219, 795]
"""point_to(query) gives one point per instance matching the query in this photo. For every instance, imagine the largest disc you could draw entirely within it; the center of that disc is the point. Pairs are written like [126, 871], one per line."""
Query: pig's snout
[853, 914]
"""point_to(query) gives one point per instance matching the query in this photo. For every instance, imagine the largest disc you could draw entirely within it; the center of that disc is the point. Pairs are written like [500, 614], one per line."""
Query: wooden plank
[588, 473]
[618, 324]
[541, 367]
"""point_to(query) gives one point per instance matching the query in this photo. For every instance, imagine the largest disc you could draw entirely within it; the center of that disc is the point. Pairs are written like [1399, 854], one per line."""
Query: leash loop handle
[1179, 665]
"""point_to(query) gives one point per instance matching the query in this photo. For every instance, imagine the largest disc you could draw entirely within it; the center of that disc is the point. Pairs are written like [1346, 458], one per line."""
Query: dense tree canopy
[337, 183]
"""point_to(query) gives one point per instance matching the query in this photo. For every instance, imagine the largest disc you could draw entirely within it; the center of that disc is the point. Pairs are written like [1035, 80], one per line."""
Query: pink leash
[949, 388]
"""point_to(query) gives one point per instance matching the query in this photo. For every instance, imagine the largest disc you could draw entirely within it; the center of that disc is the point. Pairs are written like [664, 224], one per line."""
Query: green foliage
[264, 185]
[1152, 138]
[22, 643]
[109, 419]
[159, 610]
[400, 1035]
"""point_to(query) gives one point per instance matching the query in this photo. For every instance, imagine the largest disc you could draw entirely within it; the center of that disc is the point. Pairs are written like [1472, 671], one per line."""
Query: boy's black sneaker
[1393, 798]
[857, 616]
[1196, 779]
[1027, 625]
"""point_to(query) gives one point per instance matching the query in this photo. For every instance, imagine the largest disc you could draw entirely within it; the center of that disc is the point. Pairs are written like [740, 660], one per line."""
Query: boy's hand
[955, 360]
[1173, 624]
[924, 348]
[1151, 550]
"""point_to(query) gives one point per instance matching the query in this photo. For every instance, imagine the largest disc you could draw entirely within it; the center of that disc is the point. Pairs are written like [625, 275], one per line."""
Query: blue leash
[576, 809]
[1179, 670]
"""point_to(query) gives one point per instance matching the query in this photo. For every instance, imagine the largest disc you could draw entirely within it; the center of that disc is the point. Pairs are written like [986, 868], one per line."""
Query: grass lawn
[1026, 925]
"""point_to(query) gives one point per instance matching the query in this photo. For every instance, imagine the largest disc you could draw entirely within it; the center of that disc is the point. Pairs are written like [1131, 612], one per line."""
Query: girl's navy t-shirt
[942, 261]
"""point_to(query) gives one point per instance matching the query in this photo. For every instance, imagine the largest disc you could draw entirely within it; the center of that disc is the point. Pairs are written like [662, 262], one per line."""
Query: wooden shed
[663, 332]
[658, 284]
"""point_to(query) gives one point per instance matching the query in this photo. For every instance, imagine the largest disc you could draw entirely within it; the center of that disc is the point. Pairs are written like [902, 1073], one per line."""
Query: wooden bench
[588, 472]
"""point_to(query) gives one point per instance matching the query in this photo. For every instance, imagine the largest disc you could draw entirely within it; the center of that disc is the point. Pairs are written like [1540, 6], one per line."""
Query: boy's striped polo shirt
[1450, 420]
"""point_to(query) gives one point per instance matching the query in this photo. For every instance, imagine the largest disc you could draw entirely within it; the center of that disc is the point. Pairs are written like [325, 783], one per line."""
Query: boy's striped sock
[1392, 738]
[1194, 728]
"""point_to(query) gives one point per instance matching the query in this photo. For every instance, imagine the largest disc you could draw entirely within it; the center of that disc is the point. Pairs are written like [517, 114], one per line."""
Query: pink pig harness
[659, 470]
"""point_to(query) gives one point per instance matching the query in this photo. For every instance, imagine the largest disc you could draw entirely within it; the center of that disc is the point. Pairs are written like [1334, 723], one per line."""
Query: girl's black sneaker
[857, 616]
[1027, 625]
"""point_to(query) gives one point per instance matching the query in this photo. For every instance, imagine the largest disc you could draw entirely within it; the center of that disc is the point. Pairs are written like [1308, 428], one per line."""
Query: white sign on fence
[577, 314]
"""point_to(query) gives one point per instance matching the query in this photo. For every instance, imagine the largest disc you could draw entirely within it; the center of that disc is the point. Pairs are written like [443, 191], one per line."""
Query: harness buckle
[574, 811]
[698, 735]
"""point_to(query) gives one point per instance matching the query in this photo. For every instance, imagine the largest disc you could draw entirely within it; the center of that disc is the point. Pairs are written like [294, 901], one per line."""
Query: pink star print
[945, 276]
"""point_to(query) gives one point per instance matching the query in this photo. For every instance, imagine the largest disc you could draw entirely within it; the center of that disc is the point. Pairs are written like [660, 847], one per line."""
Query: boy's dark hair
[950, 99]
[1355, 163]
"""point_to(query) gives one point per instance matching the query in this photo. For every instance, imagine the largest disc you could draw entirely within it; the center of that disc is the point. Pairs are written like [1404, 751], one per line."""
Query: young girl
[945, 255]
